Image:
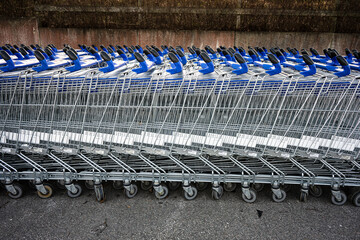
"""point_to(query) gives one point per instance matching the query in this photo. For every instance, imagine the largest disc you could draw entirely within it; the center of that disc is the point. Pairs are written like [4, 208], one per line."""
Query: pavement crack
[3, 205]
[100, 228]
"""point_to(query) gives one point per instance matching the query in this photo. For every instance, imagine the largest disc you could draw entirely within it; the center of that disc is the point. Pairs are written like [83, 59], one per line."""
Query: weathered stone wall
[301, 23]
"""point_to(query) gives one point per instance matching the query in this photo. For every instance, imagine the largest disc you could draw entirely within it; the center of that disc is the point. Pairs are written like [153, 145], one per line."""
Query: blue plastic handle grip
[311, 71]
[208, 69]
[19, 56]
[242, 69]
[158, 60]
[143, 68]
[346, 71]
[275, 70]
[43, 66]
[110, 67]
[177, 68]
[75, 67]
[9, 67]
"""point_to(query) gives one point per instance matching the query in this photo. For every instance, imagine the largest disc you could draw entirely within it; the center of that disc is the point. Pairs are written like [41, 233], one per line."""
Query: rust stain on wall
[217, 15]
[300, 23]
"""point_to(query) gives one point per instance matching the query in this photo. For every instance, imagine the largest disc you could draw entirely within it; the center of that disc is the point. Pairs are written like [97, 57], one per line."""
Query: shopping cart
[161, 119]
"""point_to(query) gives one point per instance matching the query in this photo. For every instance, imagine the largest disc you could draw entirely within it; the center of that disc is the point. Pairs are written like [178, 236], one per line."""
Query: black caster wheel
[19, 192]
[252, 196]
[99, 193]
[316, 191]
[229, 187]
[352, 192]
[60, 184]
[281, 199]
[146, 186]
[133, 192]
[286, 187]
[49, 191]
[193, 196]
[258, 187]
[31, 185]
[118, 185]
[356, 199]
[216, 195]
[78, 192]
[164, 194]
[173, 185]
[303, 196]
[89, 184]
[201, 186]
[342, 201]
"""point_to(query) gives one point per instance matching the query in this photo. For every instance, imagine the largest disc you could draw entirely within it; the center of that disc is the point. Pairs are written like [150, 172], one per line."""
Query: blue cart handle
[177, 66]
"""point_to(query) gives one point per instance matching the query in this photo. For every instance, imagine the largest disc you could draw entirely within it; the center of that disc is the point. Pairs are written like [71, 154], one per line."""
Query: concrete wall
[319, 41]
[298, 23]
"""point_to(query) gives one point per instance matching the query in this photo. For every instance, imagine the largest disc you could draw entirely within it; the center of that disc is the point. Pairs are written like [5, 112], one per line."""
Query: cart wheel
[341, 202]
[281, 199]
[131, 194]
[78, 192]
[60, 184]
[193, 196]
[315, 191]
[303, 197]
[217, 195]
[19, 191]
[252, 196]
[356, 199]
[229, 187]
[49, 191]
[99, 193]
[146, 186]
[173, 185]
[201, 186]
[286, 187]
[165, 193]
[89, 184]
[258, 186]
[31, 185]
[118, 185]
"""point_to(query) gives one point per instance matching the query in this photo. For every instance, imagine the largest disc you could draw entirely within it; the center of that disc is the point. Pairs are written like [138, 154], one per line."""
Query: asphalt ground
[145, 217]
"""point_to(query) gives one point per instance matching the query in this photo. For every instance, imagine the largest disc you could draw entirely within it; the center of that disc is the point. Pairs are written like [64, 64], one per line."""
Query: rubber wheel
[165, 193]
[60, 184]
[173, 185]
[316, 191]
[217, 195]
[356, 199]
[201, 186]
[258, 186]
[49, 191]
[193, 196]
[146, 186]
[281, 199]
[99, 193]
[252, 198]
[342, 201]
[31, 185]
[77, 194]
[286, 187]
[352, 192]
[303, 196]
[118, 185]
[229, 187]
[132, 194]
[19, 192]
[89, 184]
